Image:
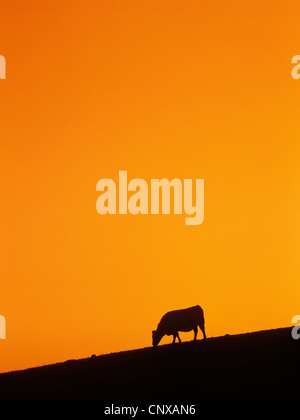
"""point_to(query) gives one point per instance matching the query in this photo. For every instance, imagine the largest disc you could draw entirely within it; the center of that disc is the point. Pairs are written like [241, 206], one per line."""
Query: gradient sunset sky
[162, 89]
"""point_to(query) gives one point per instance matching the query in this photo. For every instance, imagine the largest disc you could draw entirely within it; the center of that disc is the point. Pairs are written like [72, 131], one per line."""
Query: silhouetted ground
[259, 365]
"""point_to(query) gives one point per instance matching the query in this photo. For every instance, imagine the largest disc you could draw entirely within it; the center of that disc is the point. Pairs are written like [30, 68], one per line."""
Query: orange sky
[193, 89]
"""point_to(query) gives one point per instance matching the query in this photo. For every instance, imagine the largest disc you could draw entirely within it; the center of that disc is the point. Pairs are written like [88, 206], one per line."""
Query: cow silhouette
[181, 320]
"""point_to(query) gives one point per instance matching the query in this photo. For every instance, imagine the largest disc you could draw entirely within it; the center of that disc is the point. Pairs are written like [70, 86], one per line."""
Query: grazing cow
[181, 320]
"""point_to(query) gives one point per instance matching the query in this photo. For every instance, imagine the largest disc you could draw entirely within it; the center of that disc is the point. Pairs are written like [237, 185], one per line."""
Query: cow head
[156, 337]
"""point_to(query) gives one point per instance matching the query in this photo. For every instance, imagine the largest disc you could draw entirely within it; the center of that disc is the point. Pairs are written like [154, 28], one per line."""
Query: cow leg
[203, 330]
[196, 332]
[174, 338]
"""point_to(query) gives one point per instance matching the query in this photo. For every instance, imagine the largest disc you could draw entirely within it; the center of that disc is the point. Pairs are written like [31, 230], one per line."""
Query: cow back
[181, 320]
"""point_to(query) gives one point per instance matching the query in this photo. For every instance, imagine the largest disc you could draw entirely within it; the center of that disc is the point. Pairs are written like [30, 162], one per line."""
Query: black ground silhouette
[258, 365]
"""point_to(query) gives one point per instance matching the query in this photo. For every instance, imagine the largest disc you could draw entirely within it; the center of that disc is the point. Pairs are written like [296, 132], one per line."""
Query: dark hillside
[262, 364]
